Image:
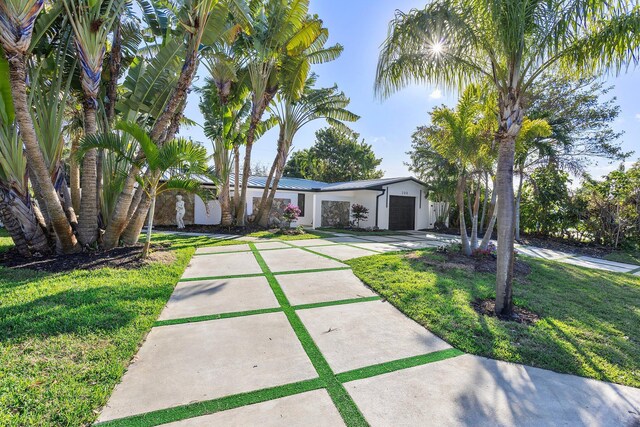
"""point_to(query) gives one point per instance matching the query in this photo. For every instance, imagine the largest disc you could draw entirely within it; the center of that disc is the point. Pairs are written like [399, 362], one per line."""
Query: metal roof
[299, 184]
[367, 184]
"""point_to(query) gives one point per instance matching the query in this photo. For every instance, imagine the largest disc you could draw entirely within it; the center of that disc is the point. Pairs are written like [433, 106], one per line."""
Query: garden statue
[180, 211]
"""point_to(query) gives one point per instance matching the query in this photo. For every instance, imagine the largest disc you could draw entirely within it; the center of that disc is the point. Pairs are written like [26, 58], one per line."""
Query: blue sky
[361, 26]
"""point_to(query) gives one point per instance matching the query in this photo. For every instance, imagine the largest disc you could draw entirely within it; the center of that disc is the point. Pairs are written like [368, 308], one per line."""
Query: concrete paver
[343, 252]
[379, 247]
[219, 249]
[346, 239]
[202, 298]
[307, 243]
[271, 245]
[363, 334]
[219, 265]
[313, 408]
[380, 239]
[417, 245]
[590, 263]
[309, 288]
[191, 362]
[297, 260]
[475, 391]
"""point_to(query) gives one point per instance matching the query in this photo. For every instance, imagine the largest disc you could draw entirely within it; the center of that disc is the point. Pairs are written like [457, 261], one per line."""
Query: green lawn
[590, 322]
[65, 339]
[309, 234]
[627, 257]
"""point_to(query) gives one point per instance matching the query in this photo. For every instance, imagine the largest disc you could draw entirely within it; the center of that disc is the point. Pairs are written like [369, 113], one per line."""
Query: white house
[393, 203]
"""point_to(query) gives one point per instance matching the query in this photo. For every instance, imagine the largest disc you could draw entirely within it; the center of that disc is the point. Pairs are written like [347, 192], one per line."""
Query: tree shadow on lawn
[76, 308]
[178, 241]
[590, 322]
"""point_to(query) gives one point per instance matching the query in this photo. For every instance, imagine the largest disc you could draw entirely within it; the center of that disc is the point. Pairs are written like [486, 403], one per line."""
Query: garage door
[402, 213]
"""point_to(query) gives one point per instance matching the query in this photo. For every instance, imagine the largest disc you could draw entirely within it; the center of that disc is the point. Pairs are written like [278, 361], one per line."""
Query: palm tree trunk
[38, 168]
[88, 223]
[518, 198]
[474, 219]
[152, 211]
[257, 111]
[488, 232]
[225, 205]
[236, 172]
[74, 175]
[264, 209]
[281, 161]
[119, 217]
[484, 202]
[504, 273]
[12, 225]
[464, 238]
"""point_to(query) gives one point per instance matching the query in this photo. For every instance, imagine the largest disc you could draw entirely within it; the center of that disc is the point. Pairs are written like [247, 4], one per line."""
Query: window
[301, 203]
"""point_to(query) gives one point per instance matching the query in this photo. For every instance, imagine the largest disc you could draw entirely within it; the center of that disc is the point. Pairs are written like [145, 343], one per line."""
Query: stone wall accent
[335, 214]
[166, 208]
[277, 210]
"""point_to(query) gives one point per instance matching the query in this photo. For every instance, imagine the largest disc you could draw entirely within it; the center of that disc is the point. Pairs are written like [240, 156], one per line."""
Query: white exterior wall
[200, 216]
[424, 209]
[366, 198]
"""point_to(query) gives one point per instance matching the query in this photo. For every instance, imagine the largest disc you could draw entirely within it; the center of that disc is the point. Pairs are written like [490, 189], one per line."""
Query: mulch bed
[486, 307]
[127, 258]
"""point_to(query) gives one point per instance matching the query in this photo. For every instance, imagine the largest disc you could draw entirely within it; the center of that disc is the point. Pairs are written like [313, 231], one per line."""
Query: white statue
[180, 211]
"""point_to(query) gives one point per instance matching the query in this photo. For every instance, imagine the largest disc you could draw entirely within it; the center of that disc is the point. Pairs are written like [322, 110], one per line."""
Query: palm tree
[17, 19]
[293, 114]
[511, 43]
[91, 22]
[204, 22]
[180, 158]
[463, 136]
[281, 46]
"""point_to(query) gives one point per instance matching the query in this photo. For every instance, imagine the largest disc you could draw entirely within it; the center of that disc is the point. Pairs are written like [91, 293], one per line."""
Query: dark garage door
[402, 213]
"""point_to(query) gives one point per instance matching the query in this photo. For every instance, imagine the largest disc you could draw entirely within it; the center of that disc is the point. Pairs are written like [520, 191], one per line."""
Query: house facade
[393, 203]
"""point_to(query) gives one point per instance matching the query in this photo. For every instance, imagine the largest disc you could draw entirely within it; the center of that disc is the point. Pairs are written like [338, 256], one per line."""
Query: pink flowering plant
[291, 213]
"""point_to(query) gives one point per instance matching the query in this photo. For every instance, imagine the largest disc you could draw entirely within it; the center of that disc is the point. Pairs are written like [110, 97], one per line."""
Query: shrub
[359, 213]
[291, 213]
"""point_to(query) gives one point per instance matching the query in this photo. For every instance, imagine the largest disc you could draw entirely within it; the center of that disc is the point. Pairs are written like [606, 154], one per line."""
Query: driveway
[283, 334]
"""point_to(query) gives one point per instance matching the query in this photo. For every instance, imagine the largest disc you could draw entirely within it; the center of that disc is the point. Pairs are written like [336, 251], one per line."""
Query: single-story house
[393, 203]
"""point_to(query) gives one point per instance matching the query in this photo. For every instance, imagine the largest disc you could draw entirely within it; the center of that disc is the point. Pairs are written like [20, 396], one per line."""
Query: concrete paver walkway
[283, 334]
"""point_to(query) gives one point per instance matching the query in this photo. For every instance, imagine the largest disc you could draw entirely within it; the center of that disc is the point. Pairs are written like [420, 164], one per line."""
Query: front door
[402, 213]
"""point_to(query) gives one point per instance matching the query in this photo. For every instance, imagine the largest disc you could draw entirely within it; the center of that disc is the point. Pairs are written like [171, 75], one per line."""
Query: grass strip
[346, 406]
[193, 410]
[240, 251]
[215, 317]
[338, 302]
[396, 365]
[235, 276]
[637, 270]
[310, 250]
[314, 270]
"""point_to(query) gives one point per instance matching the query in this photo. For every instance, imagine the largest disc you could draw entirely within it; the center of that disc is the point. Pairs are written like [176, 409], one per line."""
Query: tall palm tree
[283, 43]
[511, 43]
[204, 22]
[92, 22]
[293, 114]
[17, 19]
